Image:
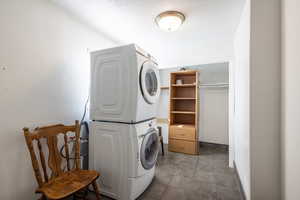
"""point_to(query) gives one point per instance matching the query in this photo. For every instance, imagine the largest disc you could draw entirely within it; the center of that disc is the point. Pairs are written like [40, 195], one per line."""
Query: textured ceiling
[206, 36]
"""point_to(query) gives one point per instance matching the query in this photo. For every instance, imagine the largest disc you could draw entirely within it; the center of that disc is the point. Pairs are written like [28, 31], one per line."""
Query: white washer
[125, 85]
[125, 155]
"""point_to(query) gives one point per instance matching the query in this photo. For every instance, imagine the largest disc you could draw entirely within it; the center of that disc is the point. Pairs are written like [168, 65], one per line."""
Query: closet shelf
[184, 85]
[183, 112]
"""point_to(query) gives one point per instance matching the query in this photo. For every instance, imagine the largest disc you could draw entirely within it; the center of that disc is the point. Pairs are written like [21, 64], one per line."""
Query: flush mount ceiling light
[170, 20]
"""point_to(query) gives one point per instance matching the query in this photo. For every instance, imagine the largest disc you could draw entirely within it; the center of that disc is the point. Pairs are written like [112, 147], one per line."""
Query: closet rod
[224, 86]
[209, 84]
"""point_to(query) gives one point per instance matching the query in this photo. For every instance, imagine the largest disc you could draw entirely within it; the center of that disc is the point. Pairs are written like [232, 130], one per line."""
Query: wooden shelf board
[162, 120]
[184, 125]
[183, 112]
[184, 85]
[164, 87]
[183, 98]
[185, 72]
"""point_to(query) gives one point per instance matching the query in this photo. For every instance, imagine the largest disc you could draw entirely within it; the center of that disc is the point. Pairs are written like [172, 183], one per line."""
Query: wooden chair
[62, 183]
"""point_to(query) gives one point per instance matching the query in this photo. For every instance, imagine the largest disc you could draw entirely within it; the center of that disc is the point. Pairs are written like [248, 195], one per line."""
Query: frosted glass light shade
[170, 20]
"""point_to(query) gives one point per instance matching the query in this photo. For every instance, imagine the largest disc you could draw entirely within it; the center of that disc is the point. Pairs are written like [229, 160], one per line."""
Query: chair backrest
[51, 133]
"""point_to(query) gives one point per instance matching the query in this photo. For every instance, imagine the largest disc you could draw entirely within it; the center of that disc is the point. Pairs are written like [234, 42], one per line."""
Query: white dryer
[125, 85]
[125, 155]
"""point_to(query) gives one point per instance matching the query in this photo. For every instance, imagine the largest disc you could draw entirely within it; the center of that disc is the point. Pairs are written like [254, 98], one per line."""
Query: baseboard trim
[214, 145]
[239, 180]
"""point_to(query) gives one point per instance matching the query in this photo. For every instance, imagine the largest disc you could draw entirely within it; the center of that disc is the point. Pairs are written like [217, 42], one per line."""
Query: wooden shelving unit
[183, 114]
[183, 98]
[183, 85]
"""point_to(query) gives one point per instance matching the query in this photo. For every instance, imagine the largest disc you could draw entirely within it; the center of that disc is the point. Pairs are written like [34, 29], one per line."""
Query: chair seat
[68, 183]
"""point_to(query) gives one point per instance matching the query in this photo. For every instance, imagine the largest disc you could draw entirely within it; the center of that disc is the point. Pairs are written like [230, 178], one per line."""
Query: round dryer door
[149, 148]
[149, 82]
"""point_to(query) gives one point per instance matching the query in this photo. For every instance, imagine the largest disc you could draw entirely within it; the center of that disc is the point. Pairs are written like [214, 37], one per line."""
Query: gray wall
[265, 94]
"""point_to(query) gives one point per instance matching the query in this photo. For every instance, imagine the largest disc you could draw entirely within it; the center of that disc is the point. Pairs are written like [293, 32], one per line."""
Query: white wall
[231, 110]
[290, 99]
[257, 99]
[44, 79]
[241, 100]
[213, 115]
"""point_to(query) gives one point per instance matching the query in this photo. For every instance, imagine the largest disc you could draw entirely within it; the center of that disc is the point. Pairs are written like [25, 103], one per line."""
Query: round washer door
[149, 148]
[149, 82]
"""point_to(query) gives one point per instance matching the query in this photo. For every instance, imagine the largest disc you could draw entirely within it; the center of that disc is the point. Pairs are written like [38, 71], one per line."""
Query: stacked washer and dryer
[124, 140]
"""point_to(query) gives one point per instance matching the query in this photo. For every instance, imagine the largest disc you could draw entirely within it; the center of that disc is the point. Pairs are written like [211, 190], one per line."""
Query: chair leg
[162, 147]
[81, 195]
[96, 189]
[43, 197]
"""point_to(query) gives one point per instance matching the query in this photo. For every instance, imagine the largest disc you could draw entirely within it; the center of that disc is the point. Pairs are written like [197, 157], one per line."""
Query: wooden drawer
[183, 146]
[183, 132]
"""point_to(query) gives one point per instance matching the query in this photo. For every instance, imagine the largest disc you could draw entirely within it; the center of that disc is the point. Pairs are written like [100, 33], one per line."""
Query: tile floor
[187, 177]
